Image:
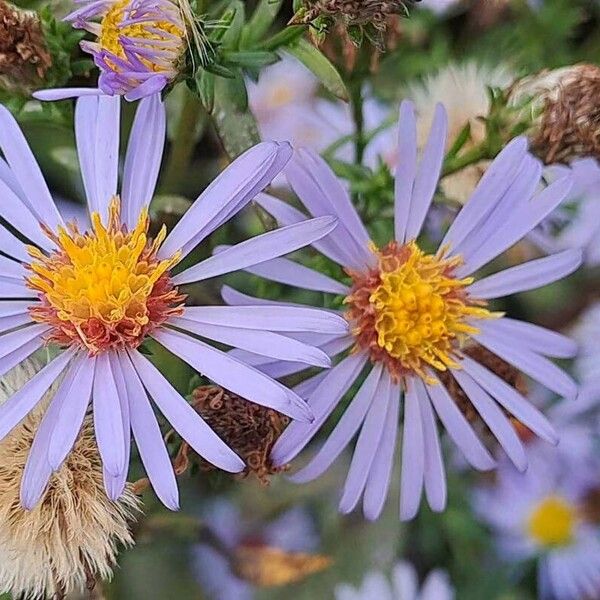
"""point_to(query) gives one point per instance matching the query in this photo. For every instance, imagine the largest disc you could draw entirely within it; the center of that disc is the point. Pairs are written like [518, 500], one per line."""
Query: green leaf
[205, 85]
[231, 37]
[251, 59]
[314, 60]
[261, 21]
[285, 37]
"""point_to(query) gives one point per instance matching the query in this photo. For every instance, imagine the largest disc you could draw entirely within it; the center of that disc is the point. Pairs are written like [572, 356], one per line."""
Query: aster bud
[24, 55]
[249, 429]
[70, 539]
[563, 106]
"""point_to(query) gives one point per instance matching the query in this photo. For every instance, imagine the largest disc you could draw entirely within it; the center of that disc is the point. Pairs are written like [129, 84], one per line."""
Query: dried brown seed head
[71, 538]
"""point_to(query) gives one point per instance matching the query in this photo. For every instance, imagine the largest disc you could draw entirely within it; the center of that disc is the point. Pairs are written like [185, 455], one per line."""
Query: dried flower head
[565, 111]
[24, 57]
[249, 429]
[71, 538]
[355, 12]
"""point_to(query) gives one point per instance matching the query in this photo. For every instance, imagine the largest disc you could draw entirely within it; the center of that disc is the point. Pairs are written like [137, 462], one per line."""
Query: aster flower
[71, 538]
[416, 316]
[99, 293]
[404, 586]
[140, 45]
[542, 514]
[250, 555]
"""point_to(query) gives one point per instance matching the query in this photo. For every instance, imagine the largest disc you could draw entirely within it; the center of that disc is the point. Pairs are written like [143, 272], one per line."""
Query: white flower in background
[439, 6]
[463, 89]
[404, 585]
[287, 108]
[545, 514]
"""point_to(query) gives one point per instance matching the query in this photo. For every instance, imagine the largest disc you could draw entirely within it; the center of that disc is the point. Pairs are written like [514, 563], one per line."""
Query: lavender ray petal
[233, 297]
[318, 204]
[406, 168]
[258, 249]
[494, 418]
[184, 419]
[232, 374]
[27, 172]
[8, 323]
[487, 194]
[148, 438]
[528, 276]
[152, 86]
[378, 482]
[86, 121]
[336, 194]
[323, 400]
[11, 269]
[10, 289]
[511, 400]
[281, 318]
[285, 214]
[143, 158]
[537, 367]
[14, 358]
[226, 195]
[427, 177]
[14, 211]
[521, 223]
[108, 420]
[366, 447]
[14, 307]
[435, 473]
[22, 402]
[344, 431]
[13, 246]
[413, 456]
[69, 418]
[107, 151]
[266, 343]
[65, 93]
[15, 339]
[458, 428]
[520, 191]
[288, 272]
[533, 337]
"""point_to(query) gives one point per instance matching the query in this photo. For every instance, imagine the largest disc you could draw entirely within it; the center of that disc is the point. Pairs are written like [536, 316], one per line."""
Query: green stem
[356, 101]
[183, 145]
[480, 152]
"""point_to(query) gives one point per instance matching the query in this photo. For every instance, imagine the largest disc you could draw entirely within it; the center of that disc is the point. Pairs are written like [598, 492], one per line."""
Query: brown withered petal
[568, 125]
[24, 58]
[71, 538]
[264, 566]
[249, 429]
[355, 12]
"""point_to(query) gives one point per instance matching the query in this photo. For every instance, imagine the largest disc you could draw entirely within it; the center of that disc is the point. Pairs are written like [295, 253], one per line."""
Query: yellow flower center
[412, 312]
[158, 30]
[552, 523]
[104, 288]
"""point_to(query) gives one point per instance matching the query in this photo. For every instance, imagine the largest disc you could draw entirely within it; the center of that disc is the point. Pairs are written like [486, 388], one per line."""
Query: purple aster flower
[139, 46]
[415, 317]
[543, 514]
[100, 292]
[403, 586]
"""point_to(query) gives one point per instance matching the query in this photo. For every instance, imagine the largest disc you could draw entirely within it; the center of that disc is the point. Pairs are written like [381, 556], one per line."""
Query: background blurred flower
[71, 538]
[542, 514]
[247, 555]
[404, 586]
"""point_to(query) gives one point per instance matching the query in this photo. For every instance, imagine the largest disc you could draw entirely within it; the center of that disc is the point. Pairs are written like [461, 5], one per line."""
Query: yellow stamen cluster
[106, 287]
[412, 312]
[112, 30]
[553, 521]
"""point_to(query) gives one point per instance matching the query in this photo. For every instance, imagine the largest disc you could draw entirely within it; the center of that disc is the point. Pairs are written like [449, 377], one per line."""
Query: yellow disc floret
[104, 288]
[553, 521]
[412, 312]
[162, 35]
